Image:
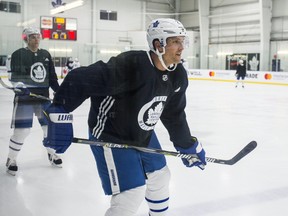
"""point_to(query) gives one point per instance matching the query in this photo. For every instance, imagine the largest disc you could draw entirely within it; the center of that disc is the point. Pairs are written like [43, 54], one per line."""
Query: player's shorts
[240, 76]
[23, 113]
[124, 169]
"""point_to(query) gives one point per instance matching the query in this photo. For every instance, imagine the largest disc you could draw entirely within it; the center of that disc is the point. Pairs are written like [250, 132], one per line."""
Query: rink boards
[257, 77]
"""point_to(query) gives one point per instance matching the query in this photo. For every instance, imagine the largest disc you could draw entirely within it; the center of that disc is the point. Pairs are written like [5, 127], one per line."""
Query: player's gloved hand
[197, 150]
[60, 128]
[20, 89]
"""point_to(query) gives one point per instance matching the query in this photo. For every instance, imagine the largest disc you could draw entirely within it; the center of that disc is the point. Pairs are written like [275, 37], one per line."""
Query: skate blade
[11, 172]
[56, 165]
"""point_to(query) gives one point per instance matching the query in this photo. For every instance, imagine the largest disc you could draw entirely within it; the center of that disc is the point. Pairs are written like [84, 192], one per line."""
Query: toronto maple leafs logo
[155, 24]
[57, 3]
[150, 113]
[254, 64]
[38, 72]
[153, 114]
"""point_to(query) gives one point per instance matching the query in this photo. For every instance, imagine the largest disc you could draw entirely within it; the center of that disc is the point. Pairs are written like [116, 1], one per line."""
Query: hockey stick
[18, 90]
[246, 150]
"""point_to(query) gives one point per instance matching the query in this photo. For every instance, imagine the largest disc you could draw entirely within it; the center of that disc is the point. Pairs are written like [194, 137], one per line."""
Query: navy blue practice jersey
[35, 69]
[241, 70]
[128, 96]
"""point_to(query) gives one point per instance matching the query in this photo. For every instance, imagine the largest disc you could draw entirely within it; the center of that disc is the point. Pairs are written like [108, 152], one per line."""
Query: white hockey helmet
[29, 31]
[164, 28]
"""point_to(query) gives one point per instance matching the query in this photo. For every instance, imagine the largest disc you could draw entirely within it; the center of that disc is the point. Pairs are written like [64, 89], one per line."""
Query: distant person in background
[76, 63]
[32, 70]
[68, 67]
[8, 63]
[240, 73]
[69, 64]
[8, 66]
[185, 64]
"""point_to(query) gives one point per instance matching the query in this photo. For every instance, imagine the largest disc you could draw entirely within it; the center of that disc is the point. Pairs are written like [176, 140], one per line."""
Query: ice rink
[223, 117]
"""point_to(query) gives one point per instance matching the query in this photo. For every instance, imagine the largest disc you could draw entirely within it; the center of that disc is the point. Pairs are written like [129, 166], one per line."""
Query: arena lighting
[224, 53]
[110, 51]
[59, 50]
[282, 52]
[191, 57]
[209, 56]
[67, 6]
[26, 23]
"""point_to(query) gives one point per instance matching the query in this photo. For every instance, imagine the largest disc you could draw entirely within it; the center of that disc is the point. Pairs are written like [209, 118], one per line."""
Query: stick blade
[245, 151]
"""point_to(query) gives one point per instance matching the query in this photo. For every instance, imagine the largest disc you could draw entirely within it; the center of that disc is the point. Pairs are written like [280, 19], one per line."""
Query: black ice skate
[12, 167]
[55, 160]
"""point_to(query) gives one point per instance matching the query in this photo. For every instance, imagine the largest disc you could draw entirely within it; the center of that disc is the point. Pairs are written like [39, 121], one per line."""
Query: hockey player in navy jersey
[128, 95]
[240, 73]
[32, 70]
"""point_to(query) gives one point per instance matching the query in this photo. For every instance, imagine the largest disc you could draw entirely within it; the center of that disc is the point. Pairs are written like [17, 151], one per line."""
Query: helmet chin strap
[162, 61]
